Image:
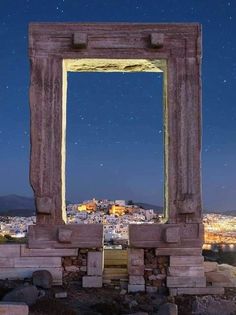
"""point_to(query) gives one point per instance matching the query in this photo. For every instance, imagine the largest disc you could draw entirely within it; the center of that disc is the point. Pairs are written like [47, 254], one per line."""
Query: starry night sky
[114, 140]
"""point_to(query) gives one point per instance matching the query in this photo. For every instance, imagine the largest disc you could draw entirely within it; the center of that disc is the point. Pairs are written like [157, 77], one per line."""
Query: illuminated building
[117, 210]
[88, 207]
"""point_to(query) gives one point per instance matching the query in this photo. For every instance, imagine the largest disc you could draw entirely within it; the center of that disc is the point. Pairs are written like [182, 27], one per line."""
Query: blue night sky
[114, 140]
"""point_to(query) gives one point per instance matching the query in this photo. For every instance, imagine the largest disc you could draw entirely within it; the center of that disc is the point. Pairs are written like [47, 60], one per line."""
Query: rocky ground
[112, 301]
[109, 301]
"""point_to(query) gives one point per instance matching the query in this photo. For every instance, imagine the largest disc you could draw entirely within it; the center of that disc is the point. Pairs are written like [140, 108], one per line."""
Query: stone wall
[155, 271]
[75, 267]
[163, 270]
[147, 271]
[18, 262]
[151, 270]
[86, 268]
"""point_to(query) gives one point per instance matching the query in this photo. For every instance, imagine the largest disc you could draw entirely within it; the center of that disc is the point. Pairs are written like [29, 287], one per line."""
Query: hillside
[14, 205]
[148, 206]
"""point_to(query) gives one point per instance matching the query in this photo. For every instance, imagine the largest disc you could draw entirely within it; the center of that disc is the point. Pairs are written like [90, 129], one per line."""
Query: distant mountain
[14, 205]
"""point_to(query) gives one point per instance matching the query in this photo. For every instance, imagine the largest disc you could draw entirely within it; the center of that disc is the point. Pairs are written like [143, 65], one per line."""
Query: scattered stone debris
[73, 300]
[168, 309]
[213, 305]
[60, 295]
[28, 294]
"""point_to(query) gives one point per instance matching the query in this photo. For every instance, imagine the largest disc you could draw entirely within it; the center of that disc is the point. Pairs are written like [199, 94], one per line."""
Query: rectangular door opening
[115, 151]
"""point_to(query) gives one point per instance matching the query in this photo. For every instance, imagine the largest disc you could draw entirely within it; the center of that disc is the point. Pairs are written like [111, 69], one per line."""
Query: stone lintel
[104, 39]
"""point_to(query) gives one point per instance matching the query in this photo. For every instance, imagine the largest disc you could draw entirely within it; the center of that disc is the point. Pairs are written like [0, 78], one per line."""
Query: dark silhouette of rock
[168, 309]
[42, 279]
[28, 294]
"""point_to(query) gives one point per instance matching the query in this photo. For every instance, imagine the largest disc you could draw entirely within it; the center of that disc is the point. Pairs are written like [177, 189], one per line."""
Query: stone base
[18, 261]
[15, 264]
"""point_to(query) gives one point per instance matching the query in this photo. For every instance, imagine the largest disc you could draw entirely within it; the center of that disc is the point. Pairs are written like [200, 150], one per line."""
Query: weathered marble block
[95, 263]
[64, 235]
[136, 280]
[172, 235]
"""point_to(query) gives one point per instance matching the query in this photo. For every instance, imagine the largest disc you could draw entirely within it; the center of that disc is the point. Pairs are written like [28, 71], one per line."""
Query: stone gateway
[159, 255]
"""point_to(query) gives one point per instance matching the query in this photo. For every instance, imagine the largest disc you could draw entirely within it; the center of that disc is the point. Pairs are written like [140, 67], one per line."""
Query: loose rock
[42, 279]
[26, 294]
[168, 309]
[209, 305]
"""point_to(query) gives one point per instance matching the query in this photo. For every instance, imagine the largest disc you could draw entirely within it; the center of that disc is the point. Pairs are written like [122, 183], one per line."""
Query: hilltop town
[116, 215]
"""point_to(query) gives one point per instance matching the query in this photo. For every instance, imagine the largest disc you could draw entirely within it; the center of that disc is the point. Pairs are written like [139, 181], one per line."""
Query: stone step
[116, 277]
[115, 262]
[110, 271]
[186, 282]
[115, 254]
[115, 273]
